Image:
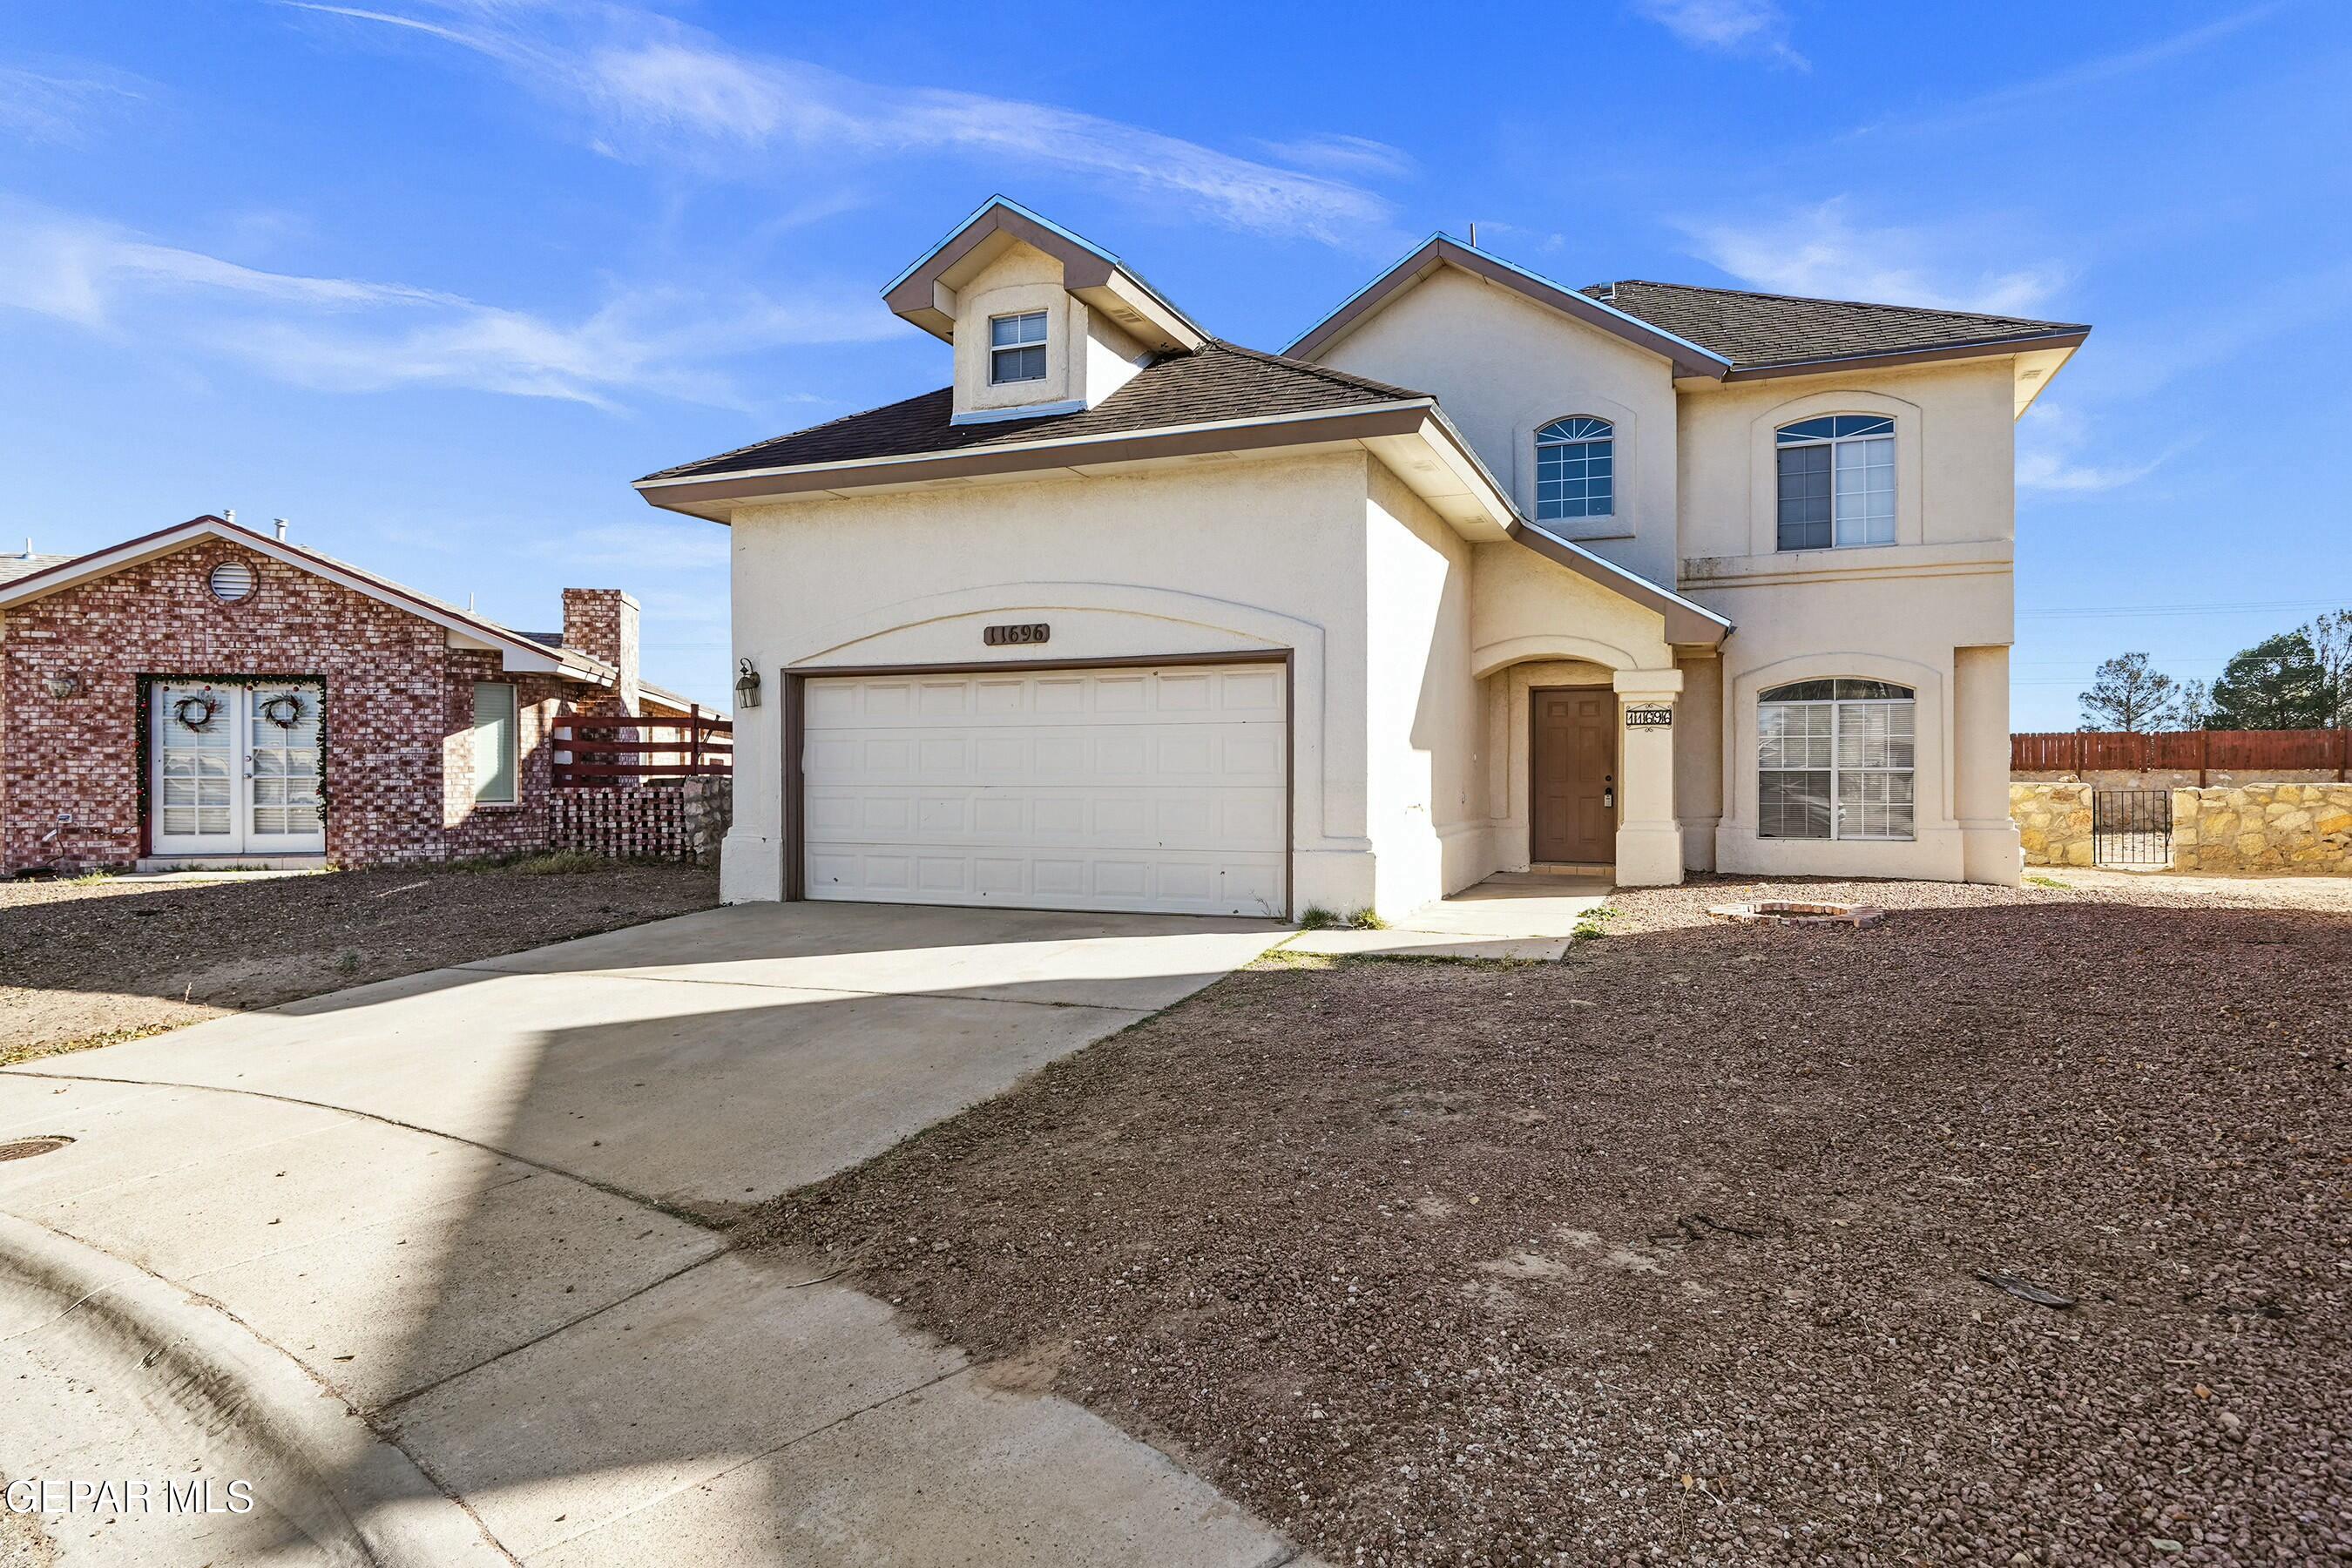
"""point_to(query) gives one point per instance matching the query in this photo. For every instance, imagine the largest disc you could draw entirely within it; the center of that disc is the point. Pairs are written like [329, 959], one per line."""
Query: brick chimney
[603, 624]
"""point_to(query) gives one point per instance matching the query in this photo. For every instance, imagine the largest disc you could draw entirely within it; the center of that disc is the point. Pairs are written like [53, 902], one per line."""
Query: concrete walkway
[478, 1209]
[1520, 915]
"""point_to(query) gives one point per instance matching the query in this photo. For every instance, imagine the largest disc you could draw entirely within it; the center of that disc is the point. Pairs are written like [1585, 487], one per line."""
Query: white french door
[236, 769]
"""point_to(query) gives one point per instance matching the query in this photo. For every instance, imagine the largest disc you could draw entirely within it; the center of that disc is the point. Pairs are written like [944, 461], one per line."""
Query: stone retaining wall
[2263, 827]
[2300, 827]
[2053, 822]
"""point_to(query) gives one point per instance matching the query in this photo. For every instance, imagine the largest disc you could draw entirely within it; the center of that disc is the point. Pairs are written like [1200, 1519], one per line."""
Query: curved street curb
[313, 1463]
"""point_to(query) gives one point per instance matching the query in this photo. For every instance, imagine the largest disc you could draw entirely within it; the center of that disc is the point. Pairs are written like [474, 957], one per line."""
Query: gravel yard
[1673, 1250]
[86, 963]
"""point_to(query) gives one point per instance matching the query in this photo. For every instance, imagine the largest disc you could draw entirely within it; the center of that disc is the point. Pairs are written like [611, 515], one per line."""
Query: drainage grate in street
[26, 1147]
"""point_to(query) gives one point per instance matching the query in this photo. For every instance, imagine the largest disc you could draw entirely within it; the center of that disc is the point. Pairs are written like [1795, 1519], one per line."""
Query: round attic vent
[231, 581]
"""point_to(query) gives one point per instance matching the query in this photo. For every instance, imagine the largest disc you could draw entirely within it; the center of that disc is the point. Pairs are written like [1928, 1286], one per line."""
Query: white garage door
[1155, 789]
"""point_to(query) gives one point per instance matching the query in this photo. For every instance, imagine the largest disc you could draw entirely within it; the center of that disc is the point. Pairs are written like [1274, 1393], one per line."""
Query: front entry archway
[1572, 775]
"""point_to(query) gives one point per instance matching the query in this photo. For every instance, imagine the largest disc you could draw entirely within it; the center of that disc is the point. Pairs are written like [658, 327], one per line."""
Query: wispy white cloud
[1337, 154]
[651, 545]
[652, 87]
[2096, 71]
[1821, 251]
[56, 103]
[351, 335]
[1755, 27]
[2049, 443]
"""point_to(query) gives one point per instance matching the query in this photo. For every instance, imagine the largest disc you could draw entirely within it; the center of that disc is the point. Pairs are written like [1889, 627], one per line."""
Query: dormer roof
[925, 293]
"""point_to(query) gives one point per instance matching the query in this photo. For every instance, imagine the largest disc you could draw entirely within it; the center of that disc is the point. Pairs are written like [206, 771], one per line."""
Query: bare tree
[2126, 694]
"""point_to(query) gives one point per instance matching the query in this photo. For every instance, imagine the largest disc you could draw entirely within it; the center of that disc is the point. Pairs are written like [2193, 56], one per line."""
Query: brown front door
[1572, 754]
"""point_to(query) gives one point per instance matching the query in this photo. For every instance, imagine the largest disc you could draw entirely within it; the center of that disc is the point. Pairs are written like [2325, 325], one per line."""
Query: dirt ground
[1675, 1250]
[89, 964]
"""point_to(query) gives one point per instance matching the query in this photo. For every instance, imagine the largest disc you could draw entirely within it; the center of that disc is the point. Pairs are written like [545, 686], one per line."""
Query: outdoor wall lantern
[747, 684]
[64, 684]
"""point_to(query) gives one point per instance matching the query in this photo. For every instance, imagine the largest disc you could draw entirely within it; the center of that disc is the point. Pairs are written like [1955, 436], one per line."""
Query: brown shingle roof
[1756, 330]
[1221, 381]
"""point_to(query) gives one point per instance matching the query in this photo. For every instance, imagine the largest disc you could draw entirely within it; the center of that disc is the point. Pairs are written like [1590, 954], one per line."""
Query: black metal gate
[2131, 827]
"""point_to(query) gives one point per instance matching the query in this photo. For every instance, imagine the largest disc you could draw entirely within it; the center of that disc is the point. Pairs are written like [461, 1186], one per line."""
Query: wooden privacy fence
[2185, 751]
[620, 750]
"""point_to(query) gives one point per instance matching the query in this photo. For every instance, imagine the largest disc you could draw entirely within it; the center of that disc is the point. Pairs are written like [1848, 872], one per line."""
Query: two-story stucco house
[1483, 572]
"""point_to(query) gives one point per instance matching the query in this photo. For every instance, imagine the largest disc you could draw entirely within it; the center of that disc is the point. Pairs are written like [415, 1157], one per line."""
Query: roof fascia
[1987, 348]
[1110, 446]
[1687, 358]
[1688, 625]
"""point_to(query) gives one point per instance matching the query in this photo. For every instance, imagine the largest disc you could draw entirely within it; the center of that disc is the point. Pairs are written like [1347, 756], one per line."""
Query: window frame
[514, 743]
[1873, 428]
[1019, 346]
[1605, 438]
[1835, 772]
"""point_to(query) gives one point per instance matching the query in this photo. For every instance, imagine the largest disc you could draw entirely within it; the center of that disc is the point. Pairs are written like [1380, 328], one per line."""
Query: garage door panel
[1159, 789]
[1124, 756]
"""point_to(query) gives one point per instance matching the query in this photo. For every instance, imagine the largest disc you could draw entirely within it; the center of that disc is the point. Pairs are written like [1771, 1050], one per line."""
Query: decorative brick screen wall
[683, 821]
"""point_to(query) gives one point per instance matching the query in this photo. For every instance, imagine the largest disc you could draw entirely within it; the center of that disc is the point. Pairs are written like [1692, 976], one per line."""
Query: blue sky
[435, 278]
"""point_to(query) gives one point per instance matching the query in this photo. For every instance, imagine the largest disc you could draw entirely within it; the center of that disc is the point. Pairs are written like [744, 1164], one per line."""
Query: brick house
[211, 693]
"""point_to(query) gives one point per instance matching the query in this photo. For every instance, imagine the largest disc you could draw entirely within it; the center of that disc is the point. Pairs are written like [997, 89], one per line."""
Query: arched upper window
[1834, 759]
[1837, 481]
[1576, 469]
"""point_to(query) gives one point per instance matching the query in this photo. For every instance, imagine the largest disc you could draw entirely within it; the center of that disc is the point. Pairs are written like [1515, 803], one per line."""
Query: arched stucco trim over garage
[1487, 660]
[1118, 617]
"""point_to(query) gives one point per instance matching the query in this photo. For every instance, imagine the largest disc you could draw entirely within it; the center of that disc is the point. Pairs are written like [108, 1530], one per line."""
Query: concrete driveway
[480, 1209]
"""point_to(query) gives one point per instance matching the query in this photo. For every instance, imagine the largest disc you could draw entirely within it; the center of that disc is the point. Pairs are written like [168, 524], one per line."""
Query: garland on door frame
[143, 741]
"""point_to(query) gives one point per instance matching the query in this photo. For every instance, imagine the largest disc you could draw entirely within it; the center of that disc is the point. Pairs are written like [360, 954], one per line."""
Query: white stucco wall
[1503, 367]
[1206, 556]
[1899, 612]
[1424, 724]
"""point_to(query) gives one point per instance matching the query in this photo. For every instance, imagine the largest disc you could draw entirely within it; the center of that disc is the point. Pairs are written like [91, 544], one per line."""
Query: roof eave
[2069, 338]
[517, 652]
[689, 492]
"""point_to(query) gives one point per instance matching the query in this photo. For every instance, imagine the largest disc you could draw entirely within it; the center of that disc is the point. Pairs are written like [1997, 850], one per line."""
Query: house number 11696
[1011, 636]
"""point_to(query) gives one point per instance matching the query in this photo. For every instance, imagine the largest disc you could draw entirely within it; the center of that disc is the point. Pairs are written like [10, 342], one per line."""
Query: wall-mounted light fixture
[747, 684]
[63, 684]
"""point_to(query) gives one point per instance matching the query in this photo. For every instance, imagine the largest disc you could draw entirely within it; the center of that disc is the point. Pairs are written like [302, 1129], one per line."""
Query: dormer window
[1016, 348]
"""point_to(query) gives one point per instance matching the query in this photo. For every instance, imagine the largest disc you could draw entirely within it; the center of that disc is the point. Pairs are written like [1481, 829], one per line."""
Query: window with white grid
[1837, 481]
[1576, 469]
[1834, 759]
[1016, 348]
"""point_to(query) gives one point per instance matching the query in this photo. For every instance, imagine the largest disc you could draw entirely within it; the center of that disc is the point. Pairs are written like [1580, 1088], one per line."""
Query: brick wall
[399, 710]
[382, 668]
[475, 829]
[603, 624]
